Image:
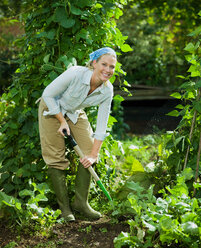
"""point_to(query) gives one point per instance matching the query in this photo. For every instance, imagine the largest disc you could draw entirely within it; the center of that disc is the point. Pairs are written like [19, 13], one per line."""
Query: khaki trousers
[53, 144]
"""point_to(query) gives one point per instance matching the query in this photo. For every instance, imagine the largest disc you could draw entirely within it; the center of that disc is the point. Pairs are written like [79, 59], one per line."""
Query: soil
[78, 234]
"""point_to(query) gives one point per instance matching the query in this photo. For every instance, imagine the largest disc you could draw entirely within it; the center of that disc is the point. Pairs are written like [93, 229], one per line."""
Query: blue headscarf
[96, 54]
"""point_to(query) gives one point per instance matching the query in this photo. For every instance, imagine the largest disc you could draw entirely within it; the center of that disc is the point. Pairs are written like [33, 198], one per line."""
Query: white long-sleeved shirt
[68, 94]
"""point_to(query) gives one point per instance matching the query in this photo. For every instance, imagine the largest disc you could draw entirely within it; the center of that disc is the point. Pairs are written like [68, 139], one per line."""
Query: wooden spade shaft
[90, 169]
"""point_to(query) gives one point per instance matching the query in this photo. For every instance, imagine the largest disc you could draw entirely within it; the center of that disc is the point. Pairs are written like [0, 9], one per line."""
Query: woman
[61, 107]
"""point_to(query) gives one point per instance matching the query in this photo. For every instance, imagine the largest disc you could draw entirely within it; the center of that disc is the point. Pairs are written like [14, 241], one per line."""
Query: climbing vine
[58, 34]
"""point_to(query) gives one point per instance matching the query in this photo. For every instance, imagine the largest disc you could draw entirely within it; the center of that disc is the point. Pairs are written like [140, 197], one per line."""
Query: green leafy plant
[57, 35]
[173, 218]
[184, 143]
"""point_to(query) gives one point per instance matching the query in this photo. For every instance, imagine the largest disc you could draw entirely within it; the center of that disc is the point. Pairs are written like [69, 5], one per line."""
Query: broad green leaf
[198, 84]
[52, 75]
[41, 197]
[126, 48]
[189, 216]
[134, 186]
[162, 204]
[197, 185]
[98, 6]
[18, 205]
[118, 98]
[173, 113]
[195, 74]
[197, 31]
[43, 188]
[167, 224]
[179, 106]
[194, 71]
[75, 10]
[191, 59]
[134, 203]
[190, 228]
[51, 34]
[197, 106]
[137, 166]
[26, 192]
[187, 173]
[150, 227]
[176, 95]
[126, 83]
[179, 190]
[62, 18]
[98, 18]
[46, 58]
[190, 47]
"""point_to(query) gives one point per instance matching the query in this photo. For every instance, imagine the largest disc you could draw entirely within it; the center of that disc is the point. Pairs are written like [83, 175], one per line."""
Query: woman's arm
[92, 157]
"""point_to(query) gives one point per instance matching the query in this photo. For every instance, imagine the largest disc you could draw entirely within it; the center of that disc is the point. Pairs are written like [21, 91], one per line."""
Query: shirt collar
[88, 78]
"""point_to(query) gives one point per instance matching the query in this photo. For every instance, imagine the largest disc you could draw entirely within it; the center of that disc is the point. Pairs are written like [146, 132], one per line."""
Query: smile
[106, 74]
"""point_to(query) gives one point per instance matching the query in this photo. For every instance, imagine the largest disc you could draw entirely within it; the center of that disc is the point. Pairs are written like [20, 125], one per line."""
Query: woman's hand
[87, 161]
[64, 125]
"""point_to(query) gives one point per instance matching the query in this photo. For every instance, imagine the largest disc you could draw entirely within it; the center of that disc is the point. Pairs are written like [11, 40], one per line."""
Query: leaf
[197, 185]
[126, 48]
[98, 6]
[173, 113]
[190, 228]
[190, 47]
[166, 223]
[41, 197]
[197, 31]
[50, 34]
[62, 18]
[150, 227]
[46, 58]
[52, 75]
[75, 10]
[134, 186]
[179, 106]
[198, 84]
[137, 166]
[98, 18]
[26, 192]
[118, 98]
[176, 95]
[197, 106]
[187, 173]
[195, 74]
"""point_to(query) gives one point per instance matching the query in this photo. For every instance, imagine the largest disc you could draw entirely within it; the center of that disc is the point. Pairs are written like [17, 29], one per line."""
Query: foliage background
[158, 33]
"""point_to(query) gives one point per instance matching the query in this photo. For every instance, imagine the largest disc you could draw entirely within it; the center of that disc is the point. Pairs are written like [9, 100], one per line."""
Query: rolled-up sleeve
[102, 119]
[55, 89]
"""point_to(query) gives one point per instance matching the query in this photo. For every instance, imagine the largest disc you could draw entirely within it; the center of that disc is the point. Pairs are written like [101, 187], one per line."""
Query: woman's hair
[89, 64]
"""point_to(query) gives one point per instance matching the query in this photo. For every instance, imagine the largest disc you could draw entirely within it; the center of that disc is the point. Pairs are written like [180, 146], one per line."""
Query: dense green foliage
[59, 34]
[185, 141]
[157, 32]
[171, 216]
[172, 220]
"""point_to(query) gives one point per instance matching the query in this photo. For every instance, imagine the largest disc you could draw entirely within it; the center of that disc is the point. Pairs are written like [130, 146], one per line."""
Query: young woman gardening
[61, 107]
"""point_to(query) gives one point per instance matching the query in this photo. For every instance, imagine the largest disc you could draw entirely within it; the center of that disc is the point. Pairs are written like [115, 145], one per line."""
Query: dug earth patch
[78, 234]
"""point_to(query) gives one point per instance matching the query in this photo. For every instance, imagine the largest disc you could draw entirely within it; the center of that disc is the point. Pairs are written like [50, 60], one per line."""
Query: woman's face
[104, 68]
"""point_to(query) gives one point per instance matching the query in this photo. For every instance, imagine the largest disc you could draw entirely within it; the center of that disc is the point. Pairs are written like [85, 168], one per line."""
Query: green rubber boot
[58, 179]
[82, 185]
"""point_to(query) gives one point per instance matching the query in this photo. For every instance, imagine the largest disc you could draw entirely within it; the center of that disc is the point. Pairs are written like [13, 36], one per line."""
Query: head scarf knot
[96, 54]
